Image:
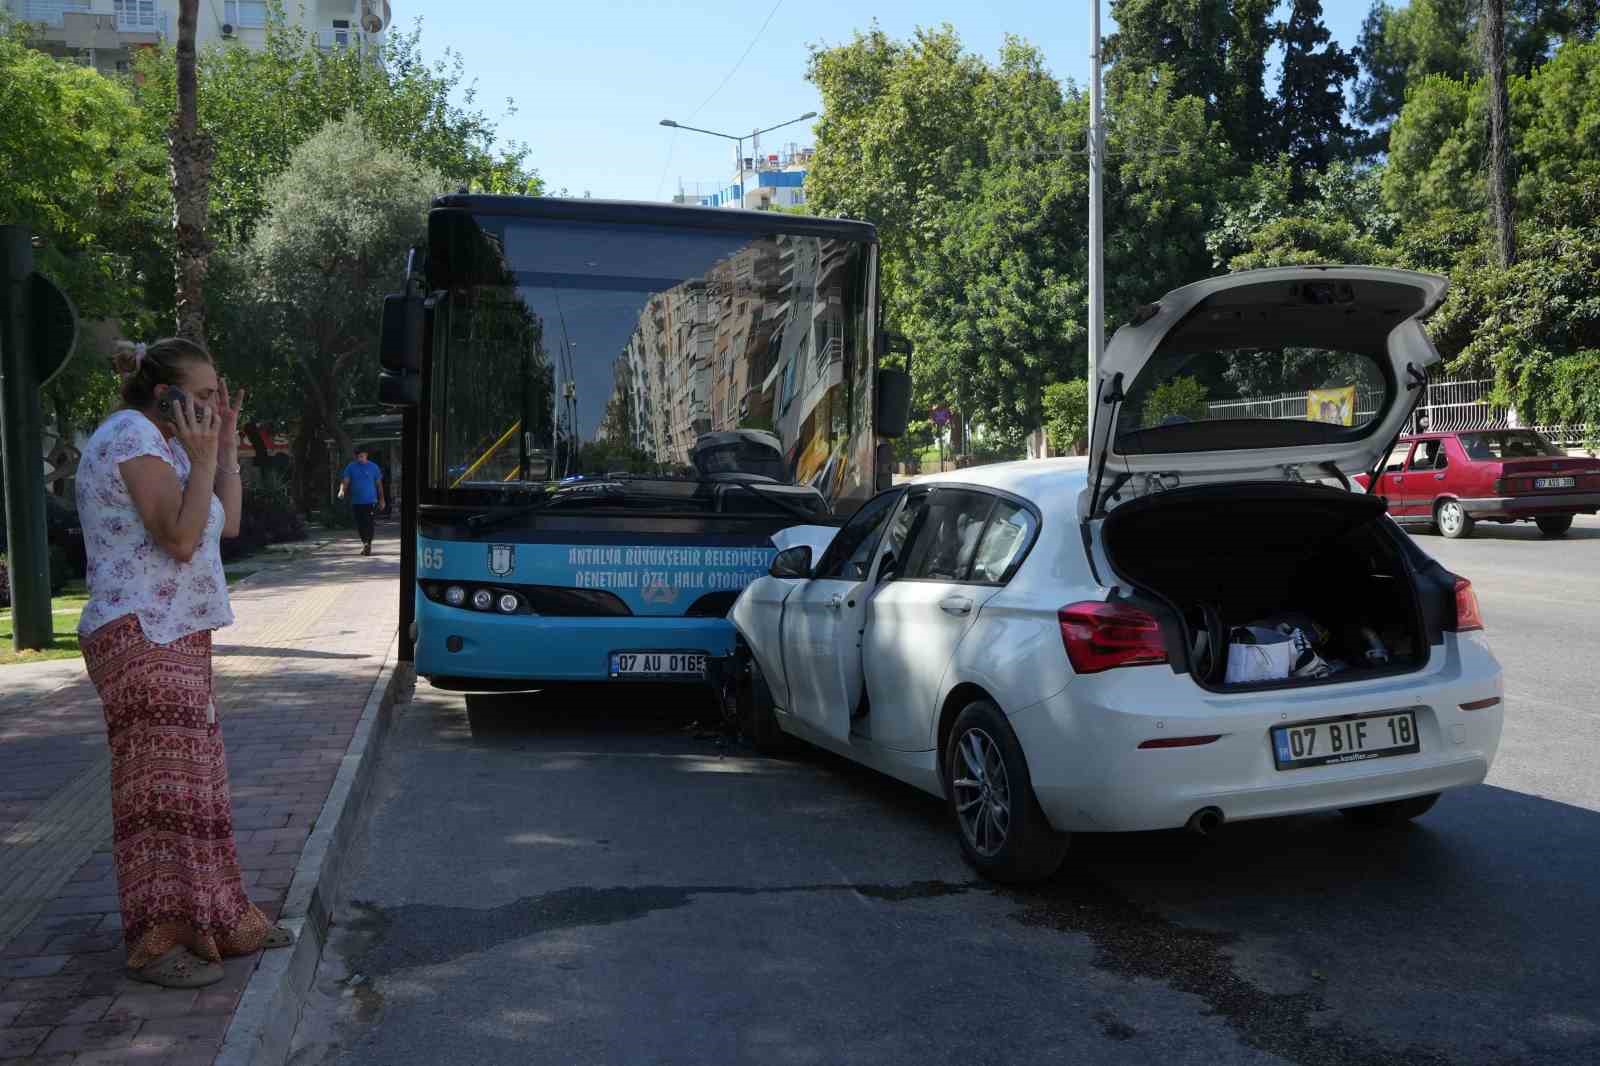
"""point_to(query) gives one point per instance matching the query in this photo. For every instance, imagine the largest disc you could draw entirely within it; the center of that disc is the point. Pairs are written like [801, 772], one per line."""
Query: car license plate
[658, 664]
[1554, 482]
[1348, 740]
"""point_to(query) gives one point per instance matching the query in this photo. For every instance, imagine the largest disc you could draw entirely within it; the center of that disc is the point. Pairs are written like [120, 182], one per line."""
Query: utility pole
[1097, 296]
[28, 551]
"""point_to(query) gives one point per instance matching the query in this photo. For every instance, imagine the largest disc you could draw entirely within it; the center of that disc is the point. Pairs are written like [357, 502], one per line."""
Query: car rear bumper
[1090, 774]
[1529, 506]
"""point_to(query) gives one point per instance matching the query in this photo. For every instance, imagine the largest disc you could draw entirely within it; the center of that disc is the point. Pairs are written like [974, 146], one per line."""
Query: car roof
[1032, 479]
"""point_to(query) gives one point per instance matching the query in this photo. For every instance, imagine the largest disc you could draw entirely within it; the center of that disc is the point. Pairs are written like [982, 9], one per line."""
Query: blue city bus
[612, 408]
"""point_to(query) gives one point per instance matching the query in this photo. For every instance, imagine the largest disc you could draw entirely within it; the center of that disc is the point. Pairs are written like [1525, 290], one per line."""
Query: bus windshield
[615, 364]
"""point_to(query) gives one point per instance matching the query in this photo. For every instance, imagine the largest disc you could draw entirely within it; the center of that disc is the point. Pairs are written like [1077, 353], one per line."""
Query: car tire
[984, 771]
[1554, 525]
[1452, 520]
[758, 720]
[1395, 812]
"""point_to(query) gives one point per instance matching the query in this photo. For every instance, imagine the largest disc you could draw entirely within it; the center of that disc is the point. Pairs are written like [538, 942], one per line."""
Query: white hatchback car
[1058, 645]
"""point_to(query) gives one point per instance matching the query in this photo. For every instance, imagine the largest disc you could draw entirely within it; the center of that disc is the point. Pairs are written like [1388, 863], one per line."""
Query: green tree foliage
[75, 169]
[1212, 50]
[333, 240]
[980, 204]
[1401, 46]
[1439, 143]
[1066, 415]
[1534, 326]
[1180, 398]
[1310, 108]
[261, 104]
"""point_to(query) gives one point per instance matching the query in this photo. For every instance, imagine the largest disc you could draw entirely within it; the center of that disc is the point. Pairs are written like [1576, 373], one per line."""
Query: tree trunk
[1500, 210]
[190, 148]
[320, 393]
[305, 438]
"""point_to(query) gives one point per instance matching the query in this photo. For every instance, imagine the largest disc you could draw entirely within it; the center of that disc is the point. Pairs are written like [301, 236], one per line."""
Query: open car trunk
[1234, 560]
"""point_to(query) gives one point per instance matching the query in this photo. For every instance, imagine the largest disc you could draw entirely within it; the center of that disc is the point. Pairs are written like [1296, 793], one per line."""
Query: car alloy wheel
[1453, 520]
[982, 792]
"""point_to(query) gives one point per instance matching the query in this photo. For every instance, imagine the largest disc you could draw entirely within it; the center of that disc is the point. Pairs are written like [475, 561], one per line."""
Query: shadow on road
[1513, 531]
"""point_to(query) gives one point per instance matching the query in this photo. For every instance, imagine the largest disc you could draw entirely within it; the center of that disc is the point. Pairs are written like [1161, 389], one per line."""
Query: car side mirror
[792, 562]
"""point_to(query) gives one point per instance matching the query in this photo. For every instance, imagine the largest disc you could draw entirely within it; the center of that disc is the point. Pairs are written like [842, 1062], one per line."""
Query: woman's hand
[199, 435]
[230, 415]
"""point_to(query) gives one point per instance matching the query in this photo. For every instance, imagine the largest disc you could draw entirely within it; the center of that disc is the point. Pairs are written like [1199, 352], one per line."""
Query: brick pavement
[292, 677]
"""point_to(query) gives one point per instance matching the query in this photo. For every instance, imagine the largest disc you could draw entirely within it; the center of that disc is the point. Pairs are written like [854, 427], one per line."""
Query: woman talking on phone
[158, 489]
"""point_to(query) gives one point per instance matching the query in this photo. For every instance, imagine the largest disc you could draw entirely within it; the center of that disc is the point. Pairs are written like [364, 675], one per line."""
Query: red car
[1452, 481]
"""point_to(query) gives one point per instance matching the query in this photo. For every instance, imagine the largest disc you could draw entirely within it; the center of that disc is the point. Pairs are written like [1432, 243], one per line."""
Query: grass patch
[64, 626]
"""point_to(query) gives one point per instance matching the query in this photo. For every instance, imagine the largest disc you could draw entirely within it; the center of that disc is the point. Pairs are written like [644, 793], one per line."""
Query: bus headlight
[508, 603]
[455, 595]
[483, 599]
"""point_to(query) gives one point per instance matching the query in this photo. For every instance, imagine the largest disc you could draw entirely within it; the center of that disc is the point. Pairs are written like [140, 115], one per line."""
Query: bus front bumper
[466, 650]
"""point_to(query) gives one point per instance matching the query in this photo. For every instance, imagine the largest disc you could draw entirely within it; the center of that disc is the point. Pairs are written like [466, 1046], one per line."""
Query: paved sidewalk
[293, 675]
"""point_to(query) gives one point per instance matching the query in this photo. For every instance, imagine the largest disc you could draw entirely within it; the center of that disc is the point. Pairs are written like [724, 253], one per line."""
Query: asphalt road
[579, 878]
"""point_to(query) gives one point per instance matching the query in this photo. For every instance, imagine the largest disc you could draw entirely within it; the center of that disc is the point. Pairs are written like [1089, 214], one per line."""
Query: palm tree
[1500, 209]
[191, 178]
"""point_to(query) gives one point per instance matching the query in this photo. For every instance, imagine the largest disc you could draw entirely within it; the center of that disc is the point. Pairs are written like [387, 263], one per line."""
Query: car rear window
[1507, 444]
[1334, 388]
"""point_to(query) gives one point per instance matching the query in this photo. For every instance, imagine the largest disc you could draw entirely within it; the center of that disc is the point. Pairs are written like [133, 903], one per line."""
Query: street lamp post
[1097, 295]
[738, 142]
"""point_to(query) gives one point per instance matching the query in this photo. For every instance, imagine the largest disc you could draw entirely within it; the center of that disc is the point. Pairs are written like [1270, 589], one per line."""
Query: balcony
[50, 13]
[74, 23]
[148, 21]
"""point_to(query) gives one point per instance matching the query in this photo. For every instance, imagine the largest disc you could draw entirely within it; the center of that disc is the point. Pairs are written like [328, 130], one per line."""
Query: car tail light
[1468, 617]
[1102, 636]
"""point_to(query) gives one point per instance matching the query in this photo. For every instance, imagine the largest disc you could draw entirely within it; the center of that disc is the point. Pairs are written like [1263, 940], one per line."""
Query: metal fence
[1450, 406]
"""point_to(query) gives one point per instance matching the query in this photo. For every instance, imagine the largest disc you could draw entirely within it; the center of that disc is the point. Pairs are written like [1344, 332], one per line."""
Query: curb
[269, 1010]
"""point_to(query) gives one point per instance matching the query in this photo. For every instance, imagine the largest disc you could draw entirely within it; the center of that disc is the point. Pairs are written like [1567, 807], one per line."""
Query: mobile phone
[169, 402]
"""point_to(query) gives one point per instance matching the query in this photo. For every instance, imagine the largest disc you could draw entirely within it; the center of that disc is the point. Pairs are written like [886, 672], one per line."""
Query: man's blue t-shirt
[364, 478]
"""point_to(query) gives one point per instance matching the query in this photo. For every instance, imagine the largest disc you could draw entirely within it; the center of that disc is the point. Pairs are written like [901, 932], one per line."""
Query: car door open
[822, 623]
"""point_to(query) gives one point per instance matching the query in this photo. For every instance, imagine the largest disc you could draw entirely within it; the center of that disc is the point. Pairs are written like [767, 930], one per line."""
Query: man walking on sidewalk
[363, 482]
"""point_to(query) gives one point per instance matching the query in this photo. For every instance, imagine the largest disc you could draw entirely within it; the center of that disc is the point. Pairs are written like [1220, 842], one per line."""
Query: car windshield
[1507, 444]
[652, 354]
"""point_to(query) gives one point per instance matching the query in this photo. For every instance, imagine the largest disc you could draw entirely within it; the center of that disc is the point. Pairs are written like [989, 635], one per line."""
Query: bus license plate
[658, 664]
[1353, 740]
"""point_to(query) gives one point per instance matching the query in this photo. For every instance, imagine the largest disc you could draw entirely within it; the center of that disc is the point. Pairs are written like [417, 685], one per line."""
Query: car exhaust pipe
[1205, 821]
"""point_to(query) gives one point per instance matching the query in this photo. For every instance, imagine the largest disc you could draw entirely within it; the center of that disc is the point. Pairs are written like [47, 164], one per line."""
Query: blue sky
[593, 80]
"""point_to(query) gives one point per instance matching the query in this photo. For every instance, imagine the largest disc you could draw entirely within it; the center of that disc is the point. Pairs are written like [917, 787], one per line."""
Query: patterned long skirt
[177, 866]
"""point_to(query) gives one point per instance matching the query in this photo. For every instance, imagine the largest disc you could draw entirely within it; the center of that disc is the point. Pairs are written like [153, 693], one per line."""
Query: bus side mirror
[400, 342]
[792, 562]
[399, 390]
[894, 402]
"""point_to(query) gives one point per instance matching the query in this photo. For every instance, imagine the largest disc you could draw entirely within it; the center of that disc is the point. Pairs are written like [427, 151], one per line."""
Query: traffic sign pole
[27, 547]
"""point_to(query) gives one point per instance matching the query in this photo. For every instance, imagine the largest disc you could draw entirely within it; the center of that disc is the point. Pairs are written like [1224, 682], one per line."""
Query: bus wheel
[757, 720]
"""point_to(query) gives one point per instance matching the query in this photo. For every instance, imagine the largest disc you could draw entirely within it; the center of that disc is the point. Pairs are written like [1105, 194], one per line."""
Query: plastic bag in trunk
[1272, 653]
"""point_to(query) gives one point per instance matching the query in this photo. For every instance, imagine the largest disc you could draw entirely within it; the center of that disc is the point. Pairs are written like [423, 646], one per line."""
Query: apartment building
[107, 34]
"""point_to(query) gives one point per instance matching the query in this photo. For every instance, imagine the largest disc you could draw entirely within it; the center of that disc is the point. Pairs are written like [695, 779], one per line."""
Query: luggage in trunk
[1239, 560]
